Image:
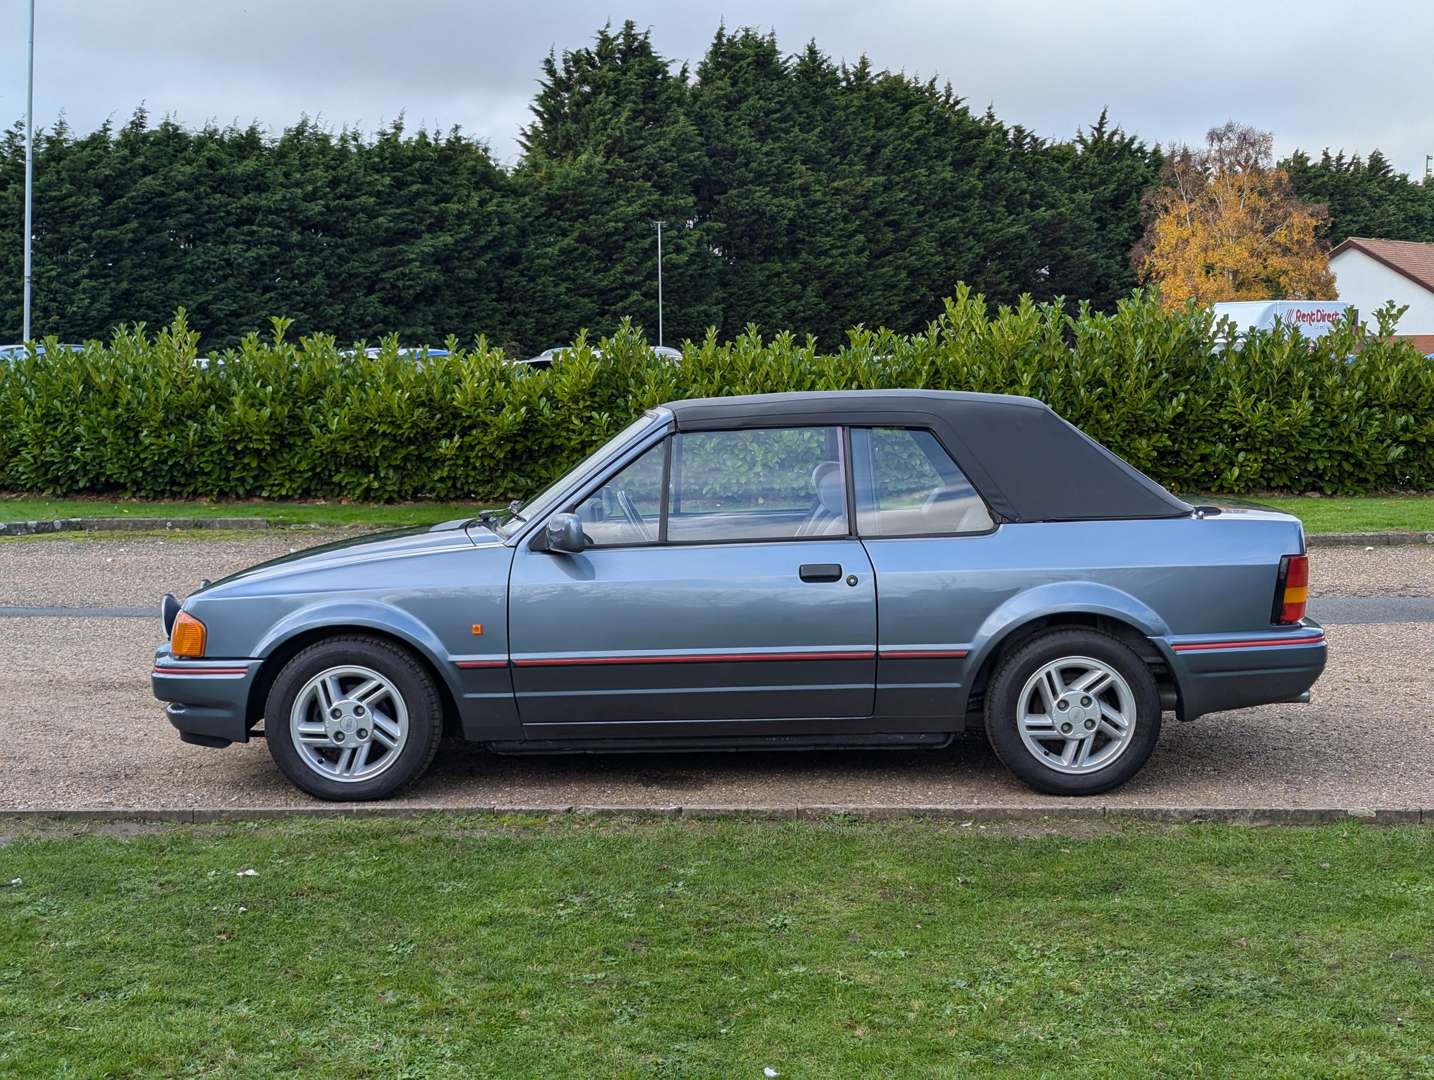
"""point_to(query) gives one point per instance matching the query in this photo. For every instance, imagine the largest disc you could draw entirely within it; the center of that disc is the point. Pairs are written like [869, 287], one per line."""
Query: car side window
[627, 508]
[757, 484]
[907, 485]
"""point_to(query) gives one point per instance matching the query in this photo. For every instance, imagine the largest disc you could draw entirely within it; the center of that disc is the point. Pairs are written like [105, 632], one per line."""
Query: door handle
[821, 571]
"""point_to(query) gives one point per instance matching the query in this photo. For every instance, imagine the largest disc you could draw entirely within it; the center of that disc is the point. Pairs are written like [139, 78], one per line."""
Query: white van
[1313, 318]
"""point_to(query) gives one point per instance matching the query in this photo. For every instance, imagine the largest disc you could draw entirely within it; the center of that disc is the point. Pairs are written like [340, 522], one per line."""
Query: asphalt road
[83, 731]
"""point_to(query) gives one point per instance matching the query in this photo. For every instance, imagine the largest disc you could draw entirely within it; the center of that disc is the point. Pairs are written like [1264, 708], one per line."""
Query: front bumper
[1215, 672]
[206, 700]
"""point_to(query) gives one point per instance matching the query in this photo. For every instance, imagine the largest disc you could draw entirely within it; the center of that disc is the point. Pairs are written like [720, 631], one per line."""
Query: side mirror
[564, 532]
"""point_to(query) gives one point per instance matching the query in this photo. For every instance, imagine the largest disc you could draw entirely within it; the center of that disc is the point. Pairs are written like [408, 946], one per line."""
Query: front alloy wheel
[353, 717]
[349, 724]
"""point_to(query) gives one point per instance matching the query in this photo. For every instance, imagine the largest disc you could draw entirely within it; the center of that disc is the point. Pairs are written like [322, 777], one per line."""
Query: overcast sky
[1319, 73]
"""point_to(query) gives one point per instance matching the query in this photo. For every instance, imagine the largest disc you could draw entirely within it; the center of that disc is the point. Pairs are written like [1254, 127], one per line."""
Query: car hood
[371, 547]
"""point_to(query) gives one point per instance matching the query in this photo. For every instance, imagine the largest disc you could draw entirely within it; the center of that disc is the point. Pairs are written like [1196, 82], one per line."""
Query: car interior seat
[828, 516]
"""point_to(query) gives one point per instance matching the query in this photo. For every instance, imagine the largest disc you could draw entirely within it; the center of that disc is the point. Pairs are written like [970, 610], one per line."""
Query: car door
[937, 555]
[721, 593]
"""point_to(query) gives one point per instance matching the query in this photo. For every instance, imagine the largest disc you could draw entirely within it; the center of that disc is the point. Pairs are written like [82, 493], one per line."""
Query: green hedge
[1174, 394]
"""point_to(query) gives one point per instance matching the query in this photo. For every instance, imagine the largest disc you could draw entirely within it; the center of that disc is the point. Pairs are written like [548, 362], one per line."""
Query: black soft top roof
[1029, 463]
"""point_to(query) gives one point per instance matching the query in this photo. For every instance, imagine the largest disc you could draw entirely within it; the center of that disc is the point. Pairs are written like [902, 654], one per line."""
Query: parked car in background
[545, 358]
[853, 569]
[414, 355]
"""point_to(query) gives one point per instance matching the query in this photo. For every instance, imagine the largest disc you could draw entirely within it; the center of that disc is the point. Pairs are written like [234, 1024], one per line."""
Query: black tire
[1010, 678]
[396, 664]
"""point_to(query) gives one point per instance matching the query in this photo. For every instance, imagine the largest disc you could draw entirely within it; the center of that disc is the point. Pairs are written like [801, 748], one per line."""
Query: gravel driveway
[133, 572]
[85, 732]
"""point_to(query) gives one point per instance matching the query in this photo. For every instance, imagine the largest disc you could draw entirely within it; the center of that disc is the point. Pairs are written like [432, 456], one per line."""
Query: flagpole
[29, 170]
[659, 225]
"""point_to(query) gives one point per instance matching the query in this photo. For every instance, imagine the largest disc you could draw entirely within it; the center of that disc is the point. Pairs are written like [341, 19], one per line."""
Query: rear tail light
[1292, 590]
[187, 637]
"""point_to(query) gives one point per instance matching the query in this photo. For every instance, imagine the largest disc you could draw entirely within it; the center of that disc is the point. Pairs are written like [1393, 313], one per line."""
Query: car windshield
[548, 497]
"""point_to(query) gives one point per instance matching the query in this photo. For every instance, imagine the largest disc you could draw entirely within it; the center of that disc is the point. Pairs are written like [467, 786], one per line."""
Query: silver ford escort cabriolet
[862, 569]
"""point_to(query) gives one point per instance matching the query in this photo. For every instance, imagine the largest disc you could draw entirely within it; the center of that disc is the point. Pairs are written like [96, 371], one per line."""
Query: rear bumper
[1215, 672]
[206, 700]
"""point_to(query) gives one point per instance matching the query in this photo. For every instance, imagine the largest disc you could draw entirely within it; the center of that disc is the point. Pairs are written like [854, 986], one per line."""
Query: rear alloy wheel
[353, 718]
[1073, 712]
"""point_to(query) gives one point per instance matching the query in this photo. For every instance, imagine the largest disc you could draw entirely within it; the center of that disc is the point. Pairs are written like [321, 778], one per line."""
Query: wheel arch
[281, 648]
[1089, 607]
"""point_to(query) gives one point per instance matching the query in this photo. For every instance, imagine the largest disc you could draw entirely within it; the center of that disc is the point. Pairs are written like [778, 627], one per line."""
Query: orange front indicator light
[1292, 596]
[187, 638]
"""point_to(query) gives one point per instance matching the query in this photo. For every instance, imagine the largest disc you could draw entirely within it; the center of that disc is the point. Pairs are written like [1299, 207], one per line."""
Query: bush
[1173, 393]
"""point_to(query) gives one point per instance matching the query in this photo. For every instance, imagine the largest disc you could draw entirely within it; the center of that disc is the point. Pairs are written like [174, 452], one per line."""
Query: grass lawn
[23, 508]
[1375, 513]
[451, 946]
[1369, 513]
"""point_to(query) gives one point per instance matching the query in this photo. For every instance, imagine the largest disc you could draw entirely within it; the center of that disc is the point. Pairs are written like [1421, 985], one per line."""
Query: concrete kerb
[1054, 816]
[1383, 539]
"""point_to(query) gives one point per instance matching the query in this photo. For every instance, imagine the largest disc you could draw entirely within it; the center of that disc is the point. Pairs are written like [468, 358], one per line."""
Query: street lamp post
[659, 225]
[29, 170]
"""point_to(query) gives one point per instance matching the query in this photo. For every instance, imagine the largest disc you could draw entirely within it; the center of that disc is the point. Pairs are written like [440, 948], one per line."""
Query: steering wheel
[937, 496]
[630, 512]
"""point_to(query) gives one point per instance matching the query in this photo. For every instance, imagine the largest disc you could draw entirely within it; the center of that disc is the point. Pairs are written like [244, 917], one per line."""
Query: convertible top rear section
[1030, 464]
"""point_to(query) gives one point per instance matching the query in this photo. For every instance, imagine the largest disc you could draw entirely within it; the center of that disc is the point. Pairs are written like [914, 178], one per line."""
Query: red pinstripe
[1206, 646]
[201, 671]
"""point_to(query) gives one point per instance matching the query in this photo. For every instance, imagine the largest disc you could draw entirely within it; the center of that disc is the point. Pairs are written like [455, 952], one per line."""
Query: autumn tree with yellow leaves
[1224, 224]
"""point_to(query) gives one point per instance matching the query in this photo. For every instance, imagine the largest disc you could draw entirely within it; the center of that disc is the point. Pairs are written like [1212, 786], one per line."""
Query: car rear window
[908, 485]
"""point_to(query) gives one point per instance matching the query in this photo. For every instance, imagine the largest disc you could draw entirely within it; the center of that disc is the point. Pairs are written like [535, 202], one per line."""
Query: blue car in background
[11, 353]
[850, 569]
